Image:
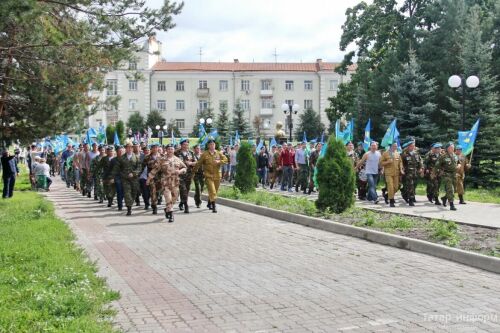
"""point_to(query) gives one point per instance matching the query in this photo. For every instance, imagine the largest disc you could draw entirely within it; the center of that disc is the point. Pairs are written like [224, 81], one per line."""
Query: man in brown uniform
[171, 167]
[211, 161]
[393, 168]
[189, 160]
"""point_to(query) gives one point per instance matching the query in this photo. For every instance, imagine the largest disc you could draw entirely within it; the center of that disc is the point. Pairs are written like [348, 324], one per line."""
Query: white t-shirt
[42, 169]
[372, 162]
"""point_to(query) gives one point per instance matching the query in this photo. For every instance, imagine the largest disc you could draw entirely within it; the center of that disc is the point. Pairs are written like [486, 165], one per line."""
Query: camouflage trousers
[85, 181]
[130, 190]
[109, 189]
[184, 187]
[98, 188]
[198, 188]
[154, 192]
[302, 177]
[449, 184]
[170, 188]
[432, 188]
[409, 184]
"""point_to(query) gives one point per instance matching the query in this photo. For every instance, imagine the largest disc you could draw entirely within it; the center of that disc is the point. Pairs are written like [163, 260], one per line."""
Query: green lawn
[472, 194]
[47, 283]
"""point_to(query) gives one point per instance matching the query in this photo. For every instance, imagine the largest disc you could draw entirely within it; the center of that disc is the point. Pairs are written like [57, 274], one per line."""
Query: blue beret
[437, 145]
[154, 144]
[184, 140]
[449, 144]
[458, 147]
[210, 141]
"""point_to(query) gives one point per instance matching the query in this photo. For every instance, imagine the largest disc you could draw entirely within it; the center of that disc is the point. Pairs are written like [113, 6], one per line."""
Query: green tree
[481, 102]
[336, 178]
[154, 119]
[136, 122]
[310, 123]
[246, 178]
[412, 94]
[53, 51]
[222, 123]
[240, 121]
[120, 130]
[110, 134]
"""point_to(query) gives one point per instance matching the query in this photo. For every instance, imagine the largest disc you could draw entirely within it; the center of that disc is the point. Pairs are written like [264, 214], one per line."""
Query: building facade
[180, 90]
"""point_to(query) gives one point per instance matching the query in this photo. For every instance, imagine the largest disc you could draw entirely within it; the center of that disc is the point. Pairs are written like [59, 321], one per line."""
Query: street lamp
[288, 109]
[207, 121]
[456, 81]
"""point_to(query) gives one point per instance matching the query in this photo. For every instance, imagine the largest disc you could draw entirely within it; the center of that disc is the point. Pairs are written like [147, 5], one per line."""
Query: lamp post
[456, 81]
[207, 121]
[290, 109]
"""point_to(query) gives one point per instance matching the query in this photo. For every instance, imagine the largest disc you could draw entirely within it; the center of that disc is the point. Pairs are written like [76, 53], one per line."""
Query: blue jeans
[8, 186]
[263, 176]
[287, 177]
[372, 186]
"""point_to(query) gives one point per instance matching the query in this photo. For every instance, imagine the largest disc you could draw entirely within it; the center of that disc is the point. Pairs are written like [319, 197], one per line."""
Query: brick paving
[239, 272]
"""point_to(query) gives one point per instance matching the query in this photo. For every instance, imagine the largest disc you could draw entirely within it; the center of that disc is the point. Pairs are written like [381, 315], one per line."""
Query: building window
[162, 86]
[334, 84]
[203, 105]
[223, 105]
[179, 123]
[289, 101]
[288, 85]
[223, 85]
[308, 85]
[308, 104]
[179, 85]
[132, 85]
[111, 87]
[267, 102]
[132, 65]
[132, 104]
[265, 85]
[161, 104]
[245, 104]
[202, 84]
[179, 105]
[245, 85]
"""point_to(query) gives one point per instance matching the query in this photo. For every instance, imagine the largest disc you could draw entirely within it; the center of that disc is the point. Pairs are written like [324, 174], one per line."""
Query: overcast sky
[250, 30]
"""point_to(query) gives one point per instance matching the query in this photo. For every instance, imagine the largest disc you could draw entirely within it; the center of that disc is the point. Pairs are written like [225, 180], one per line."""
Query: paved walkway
[239, 272]
[473, 213]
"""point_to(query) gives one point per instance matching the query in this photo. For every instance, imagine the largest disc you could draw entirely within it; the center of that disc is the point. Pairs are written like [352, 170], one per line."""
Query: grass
[471, 194]
[475, 239]
[46, 282]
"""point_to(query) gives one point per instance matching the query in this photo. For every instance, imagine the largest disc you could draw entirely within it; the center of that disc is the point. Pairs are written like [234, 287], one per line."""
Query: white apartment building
[179, 90]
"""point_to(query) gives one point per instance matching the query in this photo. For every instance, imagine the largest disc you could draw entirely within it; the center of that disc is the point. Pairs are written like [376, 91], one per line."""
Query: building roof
[237, 66]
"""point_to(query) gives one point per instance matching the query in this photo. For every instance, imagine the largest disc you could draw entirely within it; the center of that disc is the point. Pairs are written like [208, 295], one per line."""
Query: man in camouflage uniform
[412, 168]
[51, 161]
[107, 177]
[313, 160]
[199, 182]
[447, 165]
[128, 166]
[96, 171]
[432, 179]
[154, 184]
[170, 167]
[464, 166]
[187, 157]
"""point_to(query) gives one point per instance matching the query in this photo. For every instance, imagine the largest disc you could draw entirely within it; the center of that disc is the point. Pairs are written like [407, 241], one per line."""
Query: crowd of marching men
[123, 175]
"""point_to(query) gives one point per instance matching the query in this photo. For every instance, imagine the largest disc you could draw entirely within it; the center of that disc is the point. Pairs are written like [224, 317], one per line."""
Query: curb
[484, 262]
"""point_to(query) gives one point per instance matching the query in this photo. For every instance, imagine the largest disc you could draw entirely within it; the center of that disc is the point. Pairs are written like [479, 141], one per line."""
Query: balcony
[266, 112]
[266, 92]
[203, 92]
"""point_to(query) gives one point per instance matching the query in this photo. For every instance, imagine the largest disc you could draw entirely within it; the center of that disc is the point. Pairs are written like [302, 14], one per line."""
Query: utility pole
[275, 56]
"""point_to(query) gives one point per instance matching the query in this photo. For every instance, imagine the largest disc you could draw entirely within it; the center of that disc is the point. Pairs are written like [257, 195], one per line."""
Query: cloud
[251, 30]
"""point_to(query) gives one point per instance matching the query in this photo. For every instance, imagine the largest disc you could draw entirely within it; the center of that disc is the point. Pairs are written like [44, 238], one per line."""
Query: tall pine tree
[240, 122]
[480, 102]
[222, 123]
[310, 123]
[412, 94]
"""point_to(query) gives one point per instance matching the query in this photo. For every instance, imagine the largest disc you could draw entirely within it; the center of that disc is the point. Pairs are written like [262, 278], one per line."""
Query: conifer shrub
[246, 169]
[336, 178]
